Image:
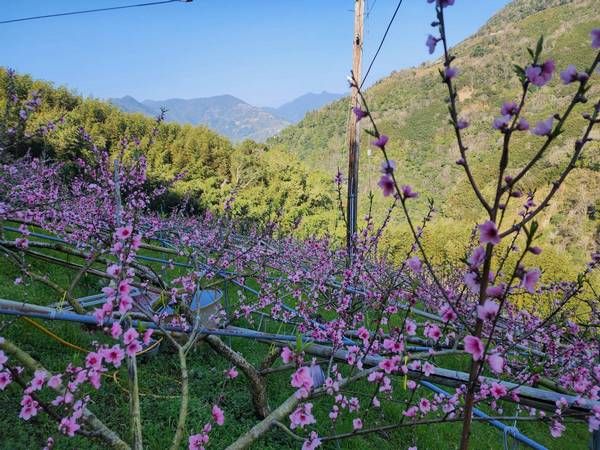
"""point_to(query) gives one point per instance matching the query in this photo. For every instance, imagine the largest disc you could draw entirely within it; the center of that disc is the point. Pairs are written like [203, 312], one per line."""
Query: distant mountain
[131, 105]
[296, 109]
[225, 114]
[228, 115]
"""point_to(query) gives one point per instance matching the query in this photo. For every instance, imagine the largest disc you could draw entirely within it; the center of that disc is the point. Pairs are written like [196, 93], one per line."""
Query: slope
[409, 107]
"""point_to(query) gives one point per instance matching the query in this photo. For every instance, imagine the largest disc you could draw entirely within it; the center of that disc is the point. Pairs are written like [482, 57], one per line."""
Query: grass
[159, 385]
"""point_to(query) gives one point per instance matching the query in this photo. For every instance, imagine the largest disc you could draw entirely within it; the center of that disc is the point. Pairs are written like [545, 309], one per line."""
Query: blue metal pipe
[495, 423]
[52, 314]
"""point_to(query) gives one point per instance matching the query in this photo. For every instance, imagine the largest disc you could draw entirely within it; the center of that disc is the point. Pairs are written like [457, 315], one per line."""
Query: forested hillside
[264, 182]
[409, 107]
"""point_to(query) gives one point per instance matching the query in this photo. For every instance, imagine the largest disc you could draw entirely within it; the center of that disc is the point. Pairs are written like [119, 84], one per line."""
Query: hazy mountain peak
[229, 115]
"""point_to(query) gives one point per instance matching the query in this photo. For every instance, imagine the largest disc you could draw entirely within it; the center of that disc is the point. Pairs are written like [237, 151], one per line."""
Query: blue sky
[265, 52]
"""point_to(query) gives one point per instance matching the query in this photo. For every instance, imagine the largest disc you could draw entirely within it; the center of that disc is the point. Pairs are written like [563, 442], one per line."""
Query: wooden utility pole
[353, 125]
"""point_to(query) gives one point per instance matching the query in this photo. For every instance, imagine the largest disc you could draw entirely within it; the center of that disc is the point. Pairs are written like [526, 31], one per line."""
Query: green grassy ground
[159, 377]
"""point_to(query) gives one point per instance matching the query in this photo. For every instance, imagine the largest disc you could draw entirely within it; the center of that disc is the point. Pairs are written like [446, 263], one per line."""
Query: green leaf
[530, 53]
[533, 228]
[519, 70]
[539, 47]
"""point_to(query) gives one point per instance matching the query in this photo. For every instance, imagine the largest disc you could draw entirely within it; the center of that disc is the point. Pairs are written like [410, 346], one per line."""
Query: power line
[381, 43]
[371, 8]
[138, 5]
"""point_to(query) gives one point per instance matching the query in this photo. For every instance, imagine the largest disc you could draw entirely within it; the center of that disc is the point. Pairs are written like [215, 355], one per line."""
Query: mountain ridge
[227, 114]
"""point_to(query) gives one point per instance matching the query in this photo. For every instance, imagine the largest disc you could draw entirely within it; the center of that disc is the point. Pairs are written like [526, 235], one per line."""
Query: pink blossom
[414, 263]
[94, 378]
[410, 327]
[381, 141]
[433, 332]
[22, 243]
[530, 279]
[113, 270]
[38, 380]
[302, 378]
[461, 124]
[388, 365]
[569, 75]
[55, 381]
[386, 183]
[124, 232]
[357, 424]
[29, 408]
[424, 405]
[125, 303]
[333, 414]
[407, 192]
[495, 291]
[593, 424]
[197, 441]
[544, 128]
[393, 345]
[68, 426]
[522, 124]
[474, 346]
[539, 75]
[428, 369]
[312, 442]
[363, 334]
[411, 412]
[5, 380]
[136, 242]
[595, 34]
[501, 123]
[231, 373]
[287, 355]
[488, 233]
[496, 362]
[113, 355]
[471, 279]
[447, 314]
[302, 416]
[3, 359]
[556, 429]
[431, 42]
[93, 360]
[388, 166]
[133, 347]
[450, 72]
[331, 386]
[488, 310]
[477, 257]
[147, 336]
[509, 109]
[498, 390]
[116, 330]
[217, 415]
[130, 335]
[124, 287]
[359, 113]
